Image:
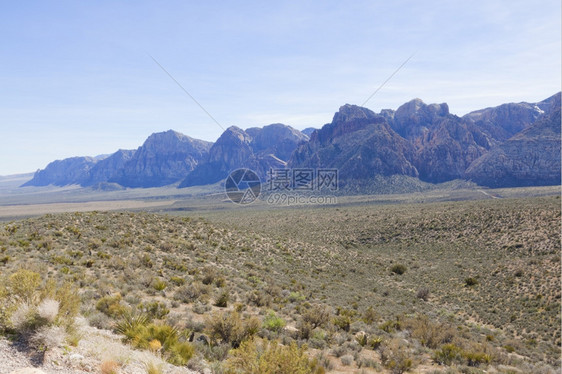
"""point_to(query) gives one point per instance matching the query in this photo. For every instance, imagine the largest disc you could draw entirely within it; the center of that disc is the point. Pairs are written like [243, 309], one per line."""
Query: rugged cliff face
[360, 144]
[163, 159]
[530, 158]
[258, 149]
[108, 168]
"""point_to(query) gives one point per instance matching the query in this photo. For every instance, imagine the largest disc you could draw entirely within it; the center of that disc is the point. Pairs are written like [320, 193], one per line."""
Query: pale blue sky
[75, 77]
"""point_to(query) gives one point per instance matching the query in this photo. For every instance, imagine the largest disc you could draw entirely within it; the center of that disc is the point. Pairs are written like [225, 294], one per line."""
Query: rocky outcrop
[164, 158]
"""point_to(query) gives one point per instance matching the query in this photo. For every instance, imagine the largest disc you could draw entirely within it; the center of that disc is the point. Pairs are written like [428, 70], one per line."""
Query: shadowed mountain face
[530, 158]
[258, 149]
[360, 144]
[445, 144]
[106, 169]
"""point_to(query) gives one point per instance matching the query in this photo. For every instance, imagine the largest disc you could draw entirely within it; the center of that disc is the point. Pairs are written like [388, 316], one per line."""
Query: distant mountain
[515, 144]
[308, 131]
[163, 159]
[258, 149]
[529, 158]
[73, 170]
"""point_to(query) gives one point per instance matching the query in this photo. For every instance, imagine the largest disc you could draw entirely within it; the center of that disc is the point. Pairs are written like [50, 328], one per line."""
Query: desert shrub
[396, 357]
[228, 327]
[447, 354]
[259, 357]
[375, 342]
[272, 322]
[423, 293]
[346, 360]
[155, 309]
[178, 281]
[27, 304]
[391, 325]
[369, 316]
[208, 275]
[316, 316]
[222, 300]
[48, 310]
[180, 353]
[111, 306]
[430, 334]
[48, 337]
[191, 292]
[24, 283]
[259, 298]
[109, 367]
[398, 269]
[470, 281]
[159, 285]
[344, 318]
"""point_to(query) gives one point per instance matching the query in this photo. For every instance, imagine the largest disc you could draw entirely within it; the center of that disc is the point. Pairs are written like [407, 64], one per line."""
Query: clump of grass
[142, 333]
[398, 269]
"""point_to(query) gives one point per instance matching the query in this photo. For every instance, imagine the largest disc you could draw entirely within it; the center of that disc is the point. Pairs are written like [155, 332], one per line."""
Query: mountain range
[514, 144]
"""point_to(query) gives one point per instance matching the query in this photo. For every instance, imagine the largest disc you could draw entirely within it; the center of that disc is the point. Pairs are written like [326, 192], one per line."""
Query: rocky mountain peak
[348, 113]
[234, 136]
[416, 108]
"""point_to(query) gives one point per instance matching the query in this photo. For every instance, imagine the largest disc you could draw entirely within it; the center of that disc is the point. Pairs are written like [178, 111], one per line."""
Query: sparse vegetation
[385, 288]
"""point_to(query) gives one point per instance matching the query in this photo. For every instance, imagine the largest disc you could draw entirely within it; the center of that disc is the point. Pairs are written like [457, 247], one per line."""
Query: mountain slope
[530, 158]
[73, 170]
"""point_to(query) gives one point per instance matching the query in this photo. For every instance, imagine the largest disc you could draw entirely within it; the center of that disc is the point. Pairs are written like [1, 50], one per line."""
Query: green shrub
[259, 357]
[111, 306]
[159, 285]
[142, 334]
[448, 354]
[154, 309]
[272, 322]
[469, 282]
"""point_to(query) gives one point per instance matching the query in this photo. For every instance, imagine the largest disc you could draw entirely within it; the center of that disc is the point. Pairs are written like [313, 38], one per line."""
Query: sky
[77, 77]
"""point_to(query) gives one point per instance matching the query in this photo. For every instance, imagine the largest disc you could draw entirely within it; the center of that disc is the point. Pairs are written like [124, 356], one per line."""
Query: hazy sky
[77, 79]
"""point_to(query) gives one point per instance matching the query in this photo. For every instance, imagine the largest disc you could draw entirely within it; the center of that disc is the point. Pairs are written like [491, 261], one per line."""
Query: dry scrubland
[458, 287]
